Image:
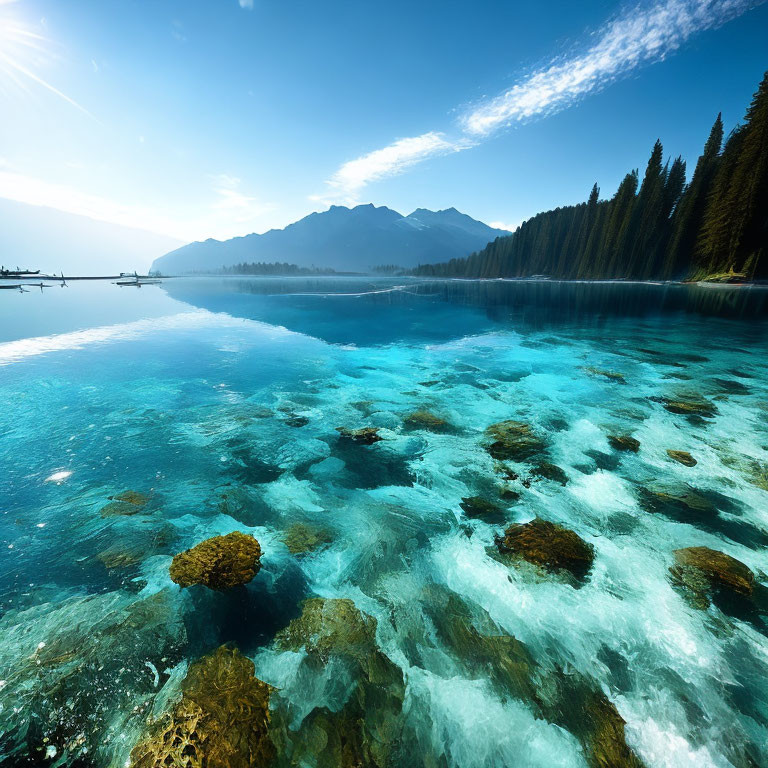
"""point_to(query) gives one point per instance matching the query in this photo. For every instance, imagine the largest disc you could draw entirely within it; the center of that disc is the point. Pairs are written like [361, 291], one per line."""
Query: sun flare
[23, 52]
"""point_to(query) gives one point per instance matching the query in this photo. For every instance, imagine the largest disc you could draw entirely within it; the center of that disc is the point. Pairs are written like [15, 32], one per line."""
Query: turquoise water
[221, 399]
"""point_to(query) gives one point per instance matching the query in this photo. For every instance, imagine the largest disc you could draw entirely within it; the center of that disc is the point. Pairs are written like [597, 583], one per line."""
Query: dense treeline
[661, 228]
[277, 268]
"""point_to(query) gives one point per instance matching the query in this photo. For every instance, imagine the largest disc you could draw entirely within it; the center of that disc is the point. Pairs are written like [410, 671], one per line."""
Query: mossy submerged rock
[482, 509]
[222, 720]
[300, 538]
[366, 730]
[721, 571]
[218, 563]
[618, 378]
[690, 406]
[330, 626]
[624, 443]
[423, 419]
[682, 457]
[363, 436]
[548, 545]
[513, 440]
[125, 503]
[549, 471]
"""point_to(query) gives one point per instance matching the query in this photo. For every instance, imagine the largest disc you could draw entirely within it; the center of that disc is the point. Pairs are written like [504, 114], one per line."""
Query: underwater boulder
[682, 457]
[366, 730]
[125, 503]
[477, 507]
[624, 443]
[701, 570]
[81, 670]
[328, 626]
[549, 471]
[513, 440]
[613, 376]
[301, 538]
[691, 406]
[549, 545]
[363, 436]
[423, 419]
[222, 720]
[218, 563]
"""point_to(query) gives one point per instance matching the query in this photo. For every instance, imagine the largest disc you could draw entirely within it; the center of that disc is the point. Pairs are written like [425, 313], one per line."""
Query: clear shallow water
[220, 399]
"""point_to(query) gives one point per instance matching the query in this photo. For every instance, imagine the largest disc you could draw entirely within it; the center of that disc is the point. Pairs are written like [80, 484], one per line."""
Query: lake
[395, 621]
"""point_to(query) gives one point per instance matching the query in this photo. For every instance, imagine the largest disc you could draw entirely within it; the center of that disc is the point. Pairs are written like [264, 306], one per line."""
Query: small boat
[18, 272]
[137, 282]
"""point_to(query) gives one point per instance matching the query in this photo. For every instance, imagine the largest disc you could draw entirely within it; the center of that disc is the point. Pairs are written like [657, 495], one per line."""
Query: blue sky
[197, 118]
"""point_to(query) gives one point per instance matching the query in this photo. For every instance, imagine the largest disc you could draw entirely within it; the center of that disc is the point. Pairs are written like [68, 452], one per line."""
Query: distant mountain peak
[346, 239]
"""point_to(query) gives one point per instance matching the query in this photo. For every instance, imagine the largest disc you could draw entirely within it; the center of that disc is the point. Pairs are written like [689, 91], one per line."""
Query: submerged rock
[701, 570]
[78, 673]
[218, 563]
[624, 443]
[682, 457]
[300, 538]
[690, 407]
[513, 440]
[548, 545]
[330, 626]
[222, 720]
[480, 508]
[125, 503]
[549, 471]
[363, 436]
[619, 378]
[366, 729]
[427, 420]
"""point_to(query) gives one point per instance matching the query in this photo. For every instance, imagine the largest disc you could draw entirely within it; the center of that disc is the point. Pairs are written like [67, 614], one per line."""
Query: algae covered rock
[363, 436]
[549, 471]
[426, 420]
[513, 440]
[300, 538]
[218, 563]
[624, 443]
[702, 570]
[330, 626]
[690, 406]
[222, 720]
[366, 729]
[618, 378]
[682, 457]
[548, 545]
[125, 503]
[478, 507]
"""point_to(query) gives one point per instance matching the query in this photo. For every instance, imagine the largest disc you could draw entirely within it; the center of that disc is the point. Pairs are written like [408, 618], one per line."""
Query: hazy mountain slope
[36, 237]
[343, 239]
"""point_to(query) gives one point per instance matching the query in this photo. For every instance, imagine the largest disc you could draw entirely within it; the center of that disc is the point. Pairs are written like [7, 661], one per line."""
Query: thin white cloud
[240, 206]
[645, 34]
[346, 184]
[247, 4]
[640, 37]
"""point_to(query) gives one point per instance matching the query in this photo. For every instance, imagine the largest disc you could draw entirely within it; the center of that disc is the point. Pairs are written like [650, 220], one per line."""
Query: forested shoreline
[714, 227]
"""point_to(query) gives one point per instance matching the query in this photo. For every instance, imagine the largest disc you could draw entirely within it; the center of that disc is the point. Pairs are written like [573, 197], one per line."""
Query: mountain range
[343, 239]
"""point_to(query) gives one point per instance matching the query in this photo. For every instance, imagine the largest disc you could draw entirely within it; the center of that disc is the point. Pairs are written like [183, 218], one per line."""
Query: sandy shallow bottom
[228, 423]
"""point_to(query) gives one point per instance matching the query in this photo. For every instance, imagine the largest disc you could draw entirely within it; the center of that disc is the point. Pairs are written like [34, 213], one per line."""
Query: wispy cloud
[351, 177]
[248, 4]
[231, 198]
[640, 36]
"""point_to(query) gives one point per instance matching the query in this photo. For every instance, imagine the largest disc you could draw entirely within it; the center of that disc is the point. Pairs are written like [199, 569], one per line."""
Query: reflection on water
[377, 436]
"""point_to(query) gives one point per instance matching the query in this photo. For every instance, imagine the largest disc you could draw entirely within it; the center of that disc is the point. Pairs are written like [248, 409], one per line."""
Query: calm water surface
[220, 400]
